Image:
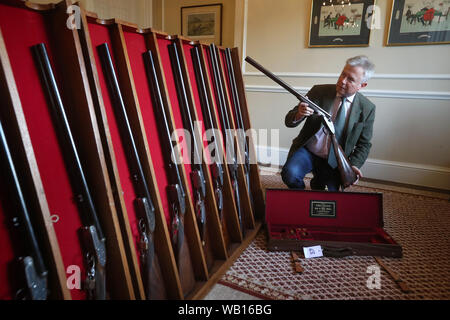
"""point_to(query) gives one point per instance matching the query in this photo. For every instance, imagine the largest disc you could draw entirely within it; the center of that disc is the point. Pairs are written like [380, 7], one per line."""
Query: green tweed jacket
[359, 130]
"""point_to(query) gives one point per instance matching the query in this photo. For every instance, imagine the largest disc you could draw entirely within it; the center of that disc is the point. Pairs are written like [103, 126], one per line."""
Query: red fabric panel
[136, 47]
[353, 210]
[171, 88]
[190, 68]
[99, 35]
[21, 30]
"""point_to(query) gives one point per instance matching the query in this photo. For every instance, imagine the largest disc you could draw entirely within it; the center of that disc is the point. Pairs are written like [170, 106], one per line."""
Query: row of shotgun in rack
[30, 278]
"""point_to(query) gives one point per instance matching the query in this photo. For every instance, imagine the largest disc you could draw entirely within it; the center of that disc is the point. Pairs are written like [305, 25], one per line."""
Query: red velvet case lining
[99, 35]
[359, 216]
[22, 29]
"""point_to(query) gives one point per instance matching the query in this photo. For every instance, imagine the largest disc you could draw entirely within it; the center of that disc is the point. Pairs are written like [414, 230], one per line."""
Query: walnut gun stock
[348, 176]
[94, 255]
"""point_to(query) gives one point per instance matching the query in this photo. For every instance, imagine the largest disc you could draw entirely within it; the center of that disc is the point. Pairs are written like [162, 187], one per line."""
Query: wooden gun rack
[83, 89]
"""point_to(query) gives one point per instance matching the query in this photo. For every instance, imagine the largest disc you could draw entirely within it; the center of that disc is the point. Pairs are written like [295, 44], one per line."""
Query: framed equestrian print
[202, 23]
[341, 23]
[417, 22]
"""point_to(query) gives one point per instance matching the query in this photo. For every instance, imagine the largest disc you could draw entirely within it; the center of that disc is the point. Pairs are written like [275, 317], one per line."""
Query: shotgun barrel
[197, 175]
[226, 127]
[94, 248]
[176, 194]
[216, 167]
[215, 147]
[348, 176]
[175, 191]
[286, 86]
[145, 209]
[239, 122]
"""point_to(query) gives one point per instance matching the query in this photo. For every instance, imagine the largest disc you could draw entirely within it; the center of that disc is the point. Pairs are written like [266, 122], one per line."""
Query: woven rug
[420, 224]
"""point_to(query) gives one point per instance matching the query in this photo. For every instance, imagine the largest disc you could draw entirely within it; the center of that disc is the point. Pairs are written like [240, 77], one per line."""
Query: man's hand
[358, 174]
[303, 111]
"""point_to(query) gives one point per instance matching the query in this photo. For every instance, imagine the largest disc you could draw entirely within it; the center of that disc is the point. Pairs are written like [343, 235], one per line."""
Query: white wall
[411, 89]
[134, 11]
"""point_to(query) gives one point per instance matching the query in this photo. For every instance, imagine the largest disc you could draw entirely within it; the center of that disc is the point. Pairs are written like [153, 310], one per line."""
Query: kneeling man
[353, 116]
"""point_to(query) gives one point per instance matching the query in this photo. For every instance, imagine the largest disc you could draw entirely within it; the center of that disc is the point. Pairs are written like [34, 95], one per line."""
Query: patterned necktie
[339, 123]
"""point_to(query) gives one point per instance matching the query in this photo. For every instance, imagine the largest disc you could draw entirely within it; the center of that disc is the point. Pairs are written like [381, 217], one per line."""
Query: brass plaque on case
[322, 209]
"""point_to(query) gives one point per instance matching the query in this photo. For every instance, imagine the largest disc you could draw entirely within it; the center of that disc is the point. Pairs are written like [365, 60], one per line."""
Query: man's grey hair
[365, 63]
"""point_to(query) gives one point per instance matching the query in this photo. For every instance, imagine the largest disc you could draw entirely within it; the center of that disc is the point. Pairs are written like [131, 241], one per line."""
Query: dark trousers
[303, 162]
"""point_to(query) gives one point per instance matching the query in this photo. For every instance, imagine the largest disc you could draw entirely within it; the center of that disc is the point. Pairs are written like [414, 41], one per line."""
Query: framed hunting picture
[202, 23]
[340, 23]
[417, 22]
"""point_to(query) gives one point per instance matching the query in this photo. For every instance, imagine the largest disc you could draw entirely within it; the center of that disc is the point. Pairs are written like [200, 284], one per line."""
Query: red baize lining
[355, 213]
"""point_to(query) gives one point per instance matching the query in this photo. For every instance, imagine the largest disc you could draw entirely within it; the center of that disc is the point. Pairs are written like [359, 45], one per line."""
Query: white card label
[313, 252]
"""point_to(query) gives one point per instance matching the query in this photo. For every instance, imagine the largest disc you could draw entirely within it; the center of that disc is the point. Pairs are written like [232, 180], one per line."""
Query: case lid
[324, 208]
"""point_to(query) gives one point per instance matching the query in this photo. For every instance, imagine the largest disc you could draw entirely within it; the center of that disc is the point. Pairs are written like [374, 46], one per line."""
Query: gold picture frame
[414, 22]
[203, 23]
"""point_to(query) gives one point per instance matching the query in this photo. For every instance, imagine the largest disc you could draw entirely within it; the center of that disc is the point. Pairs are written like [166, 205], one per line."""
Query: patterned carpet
[419, 223]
